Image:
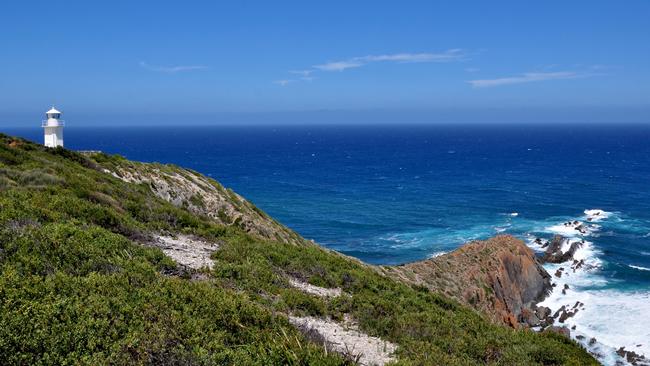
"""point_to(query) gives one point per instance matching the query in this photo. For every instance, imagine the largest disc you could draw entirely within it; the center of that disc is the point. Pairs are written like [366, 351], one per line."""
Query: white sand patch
[315, 290]
[187, 251]
[348, 340]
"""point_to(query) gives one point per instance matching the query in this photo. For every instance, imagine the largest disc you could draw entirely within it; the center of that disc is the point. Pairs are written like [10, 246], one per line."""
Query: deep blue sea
[394, 194]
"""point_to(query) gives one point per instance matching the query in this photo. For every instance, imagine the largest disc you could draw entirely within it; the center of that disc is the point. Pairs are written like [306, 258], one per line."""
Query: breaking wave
[612, 314]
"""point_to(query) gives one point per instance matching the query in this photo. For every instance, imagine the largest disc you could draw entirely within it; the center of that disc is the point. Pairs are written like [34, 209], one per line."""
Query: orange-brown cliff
[500, 277]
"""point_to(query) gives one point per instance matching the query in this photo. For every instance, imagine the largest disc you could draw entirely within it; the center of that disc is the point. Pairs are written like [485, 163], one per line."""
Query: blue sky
[194, 62]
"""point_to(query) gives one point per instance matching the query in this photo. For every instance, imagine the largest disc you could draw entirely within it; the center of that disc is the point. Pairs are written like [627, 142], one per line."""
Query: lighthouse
[53, 128]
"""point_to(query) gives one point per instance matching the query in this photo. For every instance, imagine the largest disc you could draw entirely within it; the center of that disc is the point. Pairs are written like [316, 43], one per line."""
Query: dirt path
[186, 250]
[315, 290]
[344, 338]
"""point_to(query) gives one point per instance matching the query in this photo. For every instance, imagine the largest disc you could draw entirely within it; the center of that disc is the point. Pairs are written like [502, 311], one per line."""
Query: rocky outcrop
[203, 196]
[500, 277]
[632, 357]
[554, 253]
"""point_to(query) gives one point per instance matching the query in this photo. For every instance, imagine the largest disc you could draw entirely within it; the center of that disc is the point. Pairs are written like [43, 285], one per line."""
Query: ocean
[395, 194]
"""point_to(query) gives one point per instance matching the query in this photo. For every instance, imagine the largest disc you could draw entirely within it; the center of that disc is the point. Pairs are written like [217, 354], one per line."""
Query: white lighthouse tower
[53, 128]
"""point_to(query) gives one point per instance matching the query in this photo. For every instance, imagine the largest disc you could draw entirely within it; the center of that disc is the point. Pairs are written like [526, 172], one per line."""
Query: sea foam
[437, 254]
[573, 229]
[639, 268]
[614, 318]
[595, 215]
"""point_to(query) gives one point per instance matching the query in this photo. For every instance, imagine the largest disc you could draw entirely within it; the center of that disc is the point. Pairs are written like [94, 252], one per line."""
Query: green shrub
[38, 178]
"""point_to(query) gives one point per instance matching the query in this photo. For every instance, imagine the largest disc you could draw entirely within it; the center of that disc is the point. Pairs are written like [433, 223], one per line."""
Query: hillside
[87, 277]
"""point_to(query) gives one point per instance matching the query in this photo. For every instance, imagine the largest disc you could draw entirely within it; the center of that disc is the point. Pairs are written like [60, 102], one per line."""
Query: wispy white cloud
[355, 62]
[172, 69]
[303, 73]
[447, 56]
[603, 68]
[529, 77]
[339, 65]
[284, 82]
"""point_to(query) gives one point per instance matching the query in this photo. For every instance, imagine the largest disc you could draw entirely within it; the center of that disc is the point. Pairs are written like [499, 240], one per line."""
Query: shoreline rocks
[554, 253]
[633, 357]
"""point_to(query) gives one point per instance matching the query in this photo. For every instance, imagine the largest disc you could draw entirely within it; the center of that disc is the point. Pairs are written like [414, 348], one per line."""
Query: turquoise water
[394, 194]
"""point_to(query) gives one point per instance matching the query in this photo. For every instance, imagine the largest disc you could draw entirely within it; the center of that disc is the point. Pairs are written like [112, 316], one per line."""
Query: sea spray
[609, 318]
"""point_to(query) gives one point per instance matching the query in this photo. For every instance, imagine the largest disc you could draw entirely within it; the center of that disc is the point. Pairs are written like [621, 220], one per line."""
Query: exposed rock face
[633, 357]
[554, 253]
[500, 277]
[204, 196]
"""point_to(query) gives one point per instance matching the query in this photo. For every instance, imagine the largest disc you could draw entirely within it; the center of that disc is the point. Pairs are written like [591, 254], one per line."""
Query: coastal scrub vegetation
[80, 285]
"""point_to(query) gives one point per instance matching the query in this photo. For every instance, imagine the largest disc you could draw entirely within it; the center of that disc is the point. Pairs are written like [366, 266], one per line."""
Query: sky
[256, 62]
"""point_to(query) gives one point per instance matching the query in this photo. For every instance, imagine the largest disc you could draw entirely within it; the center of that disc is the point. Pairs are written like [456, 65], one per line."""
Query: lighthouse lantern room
[53, 128]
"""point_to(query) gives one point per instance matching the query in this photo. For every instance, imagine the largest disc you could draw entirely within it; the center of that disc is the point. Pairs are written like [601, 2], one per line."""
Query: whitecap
[437, 254]
[403, 241]
[514, 214]
[572, 229]
[639, 267]
[537, 244]
[596, 214]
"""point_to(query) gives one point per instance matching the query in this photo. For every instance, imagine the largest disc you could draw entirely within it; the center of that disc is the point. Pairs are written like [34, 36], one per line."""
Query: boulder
[632, 357]
[567, 314]
[529, 317]
[542, 312]
[554, 254]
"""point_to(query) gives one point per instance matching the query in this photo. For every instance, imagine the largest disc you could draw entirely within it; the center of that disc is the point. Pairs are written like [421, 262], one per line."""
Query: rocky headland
[109, 261]
[501, 277]
[504, 279]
